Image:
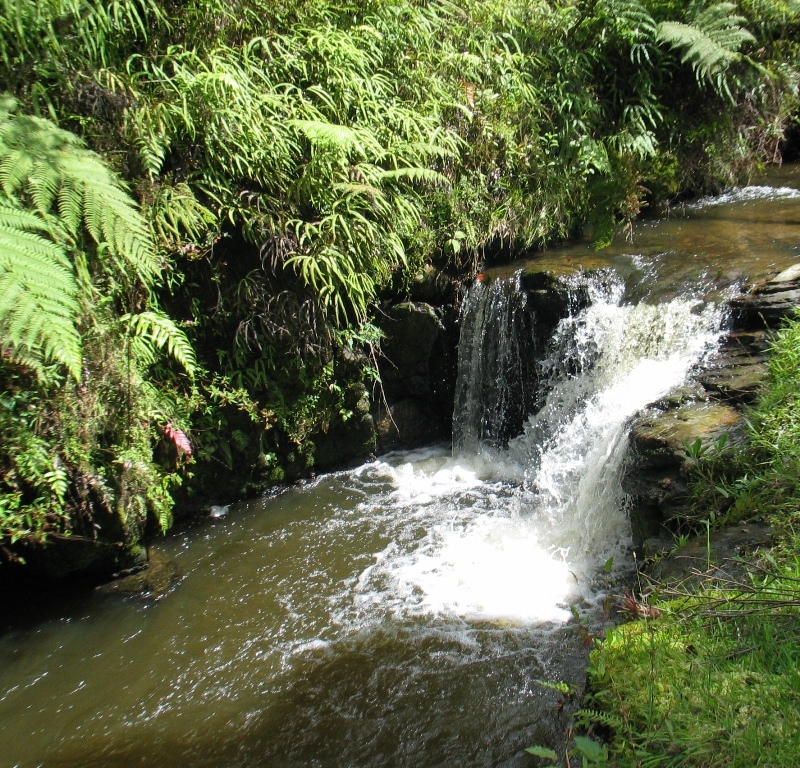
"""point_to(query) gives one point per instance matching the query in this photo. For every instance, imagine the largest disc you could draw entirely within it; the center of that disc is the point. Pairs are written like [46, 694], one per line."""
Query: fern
[52, 172]
[419, 175]
[710, 44]
[339, 137]
[158, 330]
[54, 196]
[38, 295]
[609, 719]
[632, 21]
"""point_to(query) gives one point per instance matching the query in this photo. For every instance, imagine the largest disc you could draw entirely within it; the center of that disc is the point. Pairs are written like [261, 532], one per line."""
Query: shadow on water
[27, 604]
[376, 700]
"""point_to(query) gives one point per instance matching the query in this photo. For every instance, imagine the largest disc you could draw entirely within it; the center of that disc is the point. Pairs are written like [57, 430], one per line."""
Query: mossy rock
[661, 438]
[656, 473]
[158, 576]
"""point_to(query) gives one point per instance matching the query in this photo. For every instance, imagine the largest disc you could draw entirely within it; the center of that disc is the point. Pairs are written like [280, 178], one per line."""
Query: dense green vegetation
[289, 163]
[710, 676]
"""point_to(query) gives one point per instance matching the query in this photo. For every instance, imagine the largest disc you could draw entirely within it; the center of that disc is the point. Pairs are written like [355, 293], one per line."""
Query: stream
[414, 611]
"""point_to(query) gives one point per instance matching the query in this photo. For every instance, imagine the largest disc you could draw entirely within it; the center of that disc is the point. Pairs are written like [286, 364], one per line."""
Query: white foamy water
[747, 194]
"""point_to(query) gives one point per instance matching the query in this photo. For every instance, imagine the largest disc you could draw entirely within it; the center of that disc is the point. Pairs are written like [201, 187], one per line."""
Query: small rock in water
[216, 512]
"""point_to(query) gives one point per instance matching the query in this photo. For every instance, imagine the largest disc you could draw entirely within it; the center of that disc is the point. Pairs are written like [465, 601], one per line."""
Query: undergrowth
[231, 189]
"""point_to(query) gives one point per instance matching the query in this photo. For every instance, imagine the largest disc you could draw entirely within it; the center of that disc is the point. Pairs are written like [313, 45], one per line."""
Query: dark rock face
[348, 442]
[62, 557]
[768, 304]
[418, 371]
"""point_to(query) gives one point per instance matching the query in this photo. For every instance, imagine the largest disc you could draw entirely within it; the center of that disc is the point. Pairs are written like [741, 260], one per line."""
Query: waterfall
[517, 522]
[496, 385]
[603, 365]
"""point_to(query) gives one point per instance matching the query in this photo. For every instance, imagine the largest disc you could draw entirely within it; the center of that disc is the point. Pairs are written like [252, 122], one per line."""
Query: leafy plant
[711, 43]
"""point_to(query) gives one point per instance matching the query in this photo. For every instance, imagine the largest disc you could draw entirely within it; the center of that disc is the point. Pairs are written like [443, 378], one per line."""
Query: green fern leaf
[49, 167]
[159, 330]
[56, 193]
[710, 44]
[420, 175]
[338, 137]
[38, 295]
[608, 719]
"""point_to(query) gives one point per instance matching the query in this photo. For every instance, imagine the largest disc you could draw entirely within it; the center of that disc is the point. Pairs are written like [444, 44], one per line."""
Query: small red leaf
[178, 436]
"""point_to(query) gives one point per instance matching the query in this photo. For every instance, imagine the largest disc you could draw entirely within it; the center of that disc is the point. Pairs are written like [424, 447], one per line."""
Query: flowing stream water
[409, 612]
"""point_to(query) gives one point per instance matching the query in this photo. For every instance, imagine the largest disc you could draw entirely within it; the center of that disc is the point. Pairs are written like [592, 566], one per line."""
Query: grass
[713, 679]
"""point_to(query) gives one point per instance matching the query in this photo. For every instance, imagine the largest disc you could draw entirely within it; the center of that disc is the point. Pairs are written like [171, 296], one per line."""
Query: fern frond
[38, 295]
[420, 175]
[110, 216]
[630, 18]
[53, 172]
[15, 168]
[339, 137]
[710, 44]
[159, 330]
[608, 719]
[177, 214]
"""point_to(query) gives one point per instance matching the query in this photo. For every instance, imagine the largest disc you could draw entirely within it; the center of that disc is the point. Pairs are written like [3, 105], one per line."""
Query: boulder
[656, 472]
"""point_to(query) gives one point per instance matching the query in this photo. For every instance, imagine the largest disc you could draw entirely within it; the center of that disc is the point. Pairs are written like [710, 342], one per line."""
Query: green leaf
[591, 749]
[544, 752]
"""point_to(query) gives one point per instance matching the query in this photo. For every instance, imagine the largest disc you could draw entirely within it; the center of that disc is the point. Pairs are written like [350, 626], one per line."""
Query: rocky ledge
[699, 414]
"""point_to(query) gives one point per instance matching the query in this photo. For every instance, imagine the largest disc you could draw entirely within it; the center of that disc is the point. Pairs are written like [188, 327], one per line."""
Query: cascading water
[547, 510]
[394, 615]
[496, 386]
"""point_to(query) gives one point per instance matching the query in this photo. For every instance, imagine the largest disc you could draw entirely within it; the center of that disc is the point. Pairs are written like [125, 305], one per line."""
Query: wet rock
[155, 579]
[553, 296]
[655, 476]
[418, 373]
[412, 330]
[766, 305]
[218, 512]
[433, 287]
[736, 372]
[350, 442]
[407, 423]
[716, 557]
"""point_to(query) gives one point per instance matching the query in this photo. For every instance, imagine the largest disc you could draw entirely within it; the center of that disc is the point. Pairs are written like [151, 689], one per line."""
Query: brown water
[271, 653]
[401, 614]
[736, 239]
